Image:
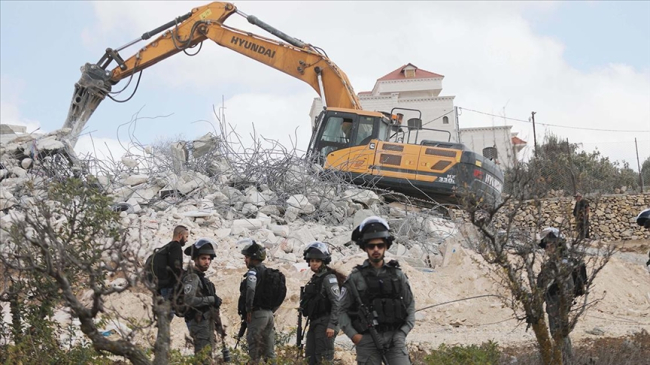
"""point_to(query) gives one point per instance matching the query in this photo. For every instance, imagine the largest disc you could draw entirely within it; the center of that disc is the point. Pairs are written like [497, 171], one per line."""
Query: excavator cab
[338, 130]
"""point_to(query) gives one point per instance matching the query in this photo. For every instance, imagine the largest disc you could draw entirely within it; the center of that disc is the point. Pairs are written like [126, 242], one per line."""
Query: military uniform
[260, 334]
[321, 304]
[387, 292]
[555, 277]
[200, 297]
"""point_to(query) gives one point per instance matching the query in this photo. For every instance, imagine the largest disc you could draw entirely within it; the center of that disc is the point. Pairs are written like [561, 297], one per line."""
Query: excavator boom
[295, 58]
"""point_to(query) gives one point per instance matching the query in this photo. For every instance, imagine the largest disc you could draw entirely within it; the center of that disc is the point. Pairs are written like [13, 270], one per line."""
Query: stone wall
[612, 217]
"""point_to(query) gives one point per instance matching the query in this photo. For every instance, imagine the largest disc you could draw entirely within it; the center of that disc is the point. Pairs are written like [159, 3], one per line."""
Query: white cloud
[488, 52]
[10, 103]
[104, 149]
[274, 117]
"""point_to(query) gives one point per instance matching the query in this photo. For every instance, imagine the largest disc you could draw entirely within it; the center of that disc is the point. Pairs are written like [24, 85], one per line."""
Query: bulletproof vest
[384, 295]
[241, 303]
[314, 302]
[206, 289]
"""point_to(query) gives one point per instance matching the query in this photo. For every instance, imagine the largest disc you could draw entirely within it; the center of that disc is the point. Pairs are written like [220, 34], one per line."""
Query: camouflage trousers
[368, 354]
[318, 347]
[260, 336]
[202, 333]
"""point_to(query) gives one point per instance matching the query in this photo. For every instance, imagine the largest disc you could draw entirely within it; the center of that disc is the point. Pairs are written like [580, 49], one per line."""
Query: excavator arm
[296, 58]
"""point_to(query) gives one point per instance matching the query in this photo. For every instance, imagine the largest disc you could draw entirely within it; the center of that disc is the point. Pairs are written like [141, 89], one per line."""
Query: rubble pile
[283, 202]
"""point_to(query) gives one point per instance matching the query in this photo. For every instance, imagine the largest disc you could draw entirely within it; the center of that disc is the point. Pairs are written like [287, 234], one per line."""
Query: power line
[554, 125]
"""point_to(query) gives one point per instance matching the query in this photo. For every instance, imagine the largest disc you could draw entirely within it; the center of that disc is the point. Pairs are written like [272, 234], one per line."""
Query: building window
[445, 120]
[409, 73]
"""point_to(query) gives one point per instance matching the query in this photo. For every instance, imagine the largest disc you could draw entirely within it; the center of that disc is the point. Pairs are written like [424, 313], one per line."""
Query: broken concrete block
[282, 231]
[205, 144]
[129, 162]
[301, 203]
[303, 235]
[291, 214]
[49, 144]
[135, 180]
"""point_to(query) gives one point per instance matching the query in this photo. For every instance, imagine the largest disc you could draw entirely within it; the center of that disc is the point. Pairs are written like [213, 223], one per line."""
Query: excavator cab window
[364, 131]
[336, 133]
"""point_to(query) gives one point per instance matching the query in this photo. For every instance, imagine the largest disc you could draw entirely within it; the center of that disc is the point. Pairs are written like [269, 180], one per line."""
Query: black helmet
[202, 246]
[318, 250]
[550, 235]
[371, 228]
[253, 249]
[643, 219]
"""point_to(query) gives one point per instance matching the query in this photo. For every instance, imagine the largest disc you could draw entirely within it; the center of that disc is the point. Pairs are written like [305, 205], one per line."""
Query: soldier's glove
[217, 301]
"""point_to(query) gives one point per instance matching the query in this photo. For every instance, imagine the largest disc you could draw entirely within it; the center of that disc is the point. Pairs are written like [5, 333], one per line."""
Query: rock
[596, 331]
[303, 235]
[49, 144]
[129, 162]
[197, 214]
[291, 214]
[301, 203]
[135, 180]
[26, 163]
[360, 215]
[270, 210]
[282, 231]
[204, 145]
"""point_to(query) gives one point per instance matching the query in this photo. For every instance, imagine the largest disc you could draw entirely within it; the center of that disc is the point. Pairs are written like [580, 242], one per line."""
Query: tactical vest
[207, 288]
[241, 303]
[315, 302]
[384, 296]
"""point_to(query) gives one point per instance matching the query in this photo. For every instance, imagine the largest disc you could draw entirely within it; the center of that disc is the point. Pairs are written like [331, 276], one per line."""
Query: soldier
[320, 304]
[643, 219]
[201, 297]
[259, 319]
[556, 279]
[380, 290]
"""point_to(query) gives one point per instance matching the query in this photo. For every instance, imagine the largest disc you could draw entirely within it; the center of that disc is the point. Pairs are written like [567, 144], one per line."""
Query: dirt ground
[622, 290]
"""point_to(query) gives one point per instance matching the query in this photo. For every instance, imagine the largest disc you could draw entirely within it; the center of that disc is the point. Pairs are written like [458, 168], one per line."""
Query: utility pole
[457, 123]
[534, 134]
[638, 164]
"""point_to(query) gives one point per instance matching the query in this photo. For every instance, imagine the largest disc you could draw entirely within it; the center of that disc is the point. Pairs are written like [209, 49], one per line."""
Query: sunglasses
[372, 246]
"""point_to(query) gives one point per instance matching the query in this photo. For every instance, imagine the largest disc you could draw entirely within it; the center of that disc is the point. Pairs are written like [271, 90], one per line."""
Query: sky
[583, 67]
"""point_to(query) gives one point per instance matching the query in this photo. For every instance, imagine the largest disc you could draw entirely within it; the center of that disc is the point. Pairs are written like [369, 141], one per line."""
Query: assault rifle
[242, 330]
[300, 332]
[369, 320]
[225, 351]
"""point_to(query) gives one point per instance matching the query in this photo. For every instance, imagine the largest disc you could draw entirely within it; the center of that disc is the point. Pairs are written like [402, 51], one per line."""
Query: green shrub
[487, 353]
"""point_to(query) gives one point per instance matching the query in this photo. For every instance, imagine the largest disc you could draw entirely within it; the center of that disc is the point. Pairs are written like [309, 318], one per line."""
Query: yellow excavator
[368, 147]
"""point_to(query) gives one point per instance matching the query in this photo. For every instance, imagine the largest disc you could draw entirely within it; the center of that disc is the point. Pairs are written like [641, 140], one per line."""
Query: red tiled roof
[419, 74]
[518, 141]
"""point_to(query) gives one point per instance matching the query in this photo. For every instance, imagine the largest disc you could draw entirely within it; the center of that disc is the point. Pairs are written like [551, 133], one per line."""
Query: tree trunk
[547, 348]
[162, 309]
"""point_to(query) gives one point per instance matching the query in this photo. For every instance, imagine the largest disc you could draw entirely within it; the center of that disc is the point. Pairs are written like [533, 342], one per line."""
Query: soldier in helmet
[260, 335]
[383, 290]
[320, 304]
[556, 280]
[201, 297]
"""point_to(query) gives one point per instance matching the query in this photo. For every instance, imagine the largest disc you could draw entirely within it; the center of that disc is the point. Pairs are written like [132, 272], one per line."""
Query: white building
[410, 87]
[506, 143]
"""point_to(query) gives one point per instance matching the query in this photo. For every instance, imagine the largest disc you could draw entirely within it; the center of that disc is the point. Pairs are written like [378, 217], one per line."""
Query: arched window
[445, 120]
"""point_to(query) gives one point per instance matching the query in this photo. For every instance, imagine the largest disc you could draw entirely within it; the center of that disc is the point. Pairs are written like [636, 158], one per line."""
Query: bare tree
[62, 248]
[509, 240]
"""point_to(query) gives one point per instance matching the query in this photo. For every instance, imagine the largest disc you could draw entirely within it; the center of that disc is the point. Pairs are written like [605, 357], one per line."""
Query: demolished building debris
[227, 192]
